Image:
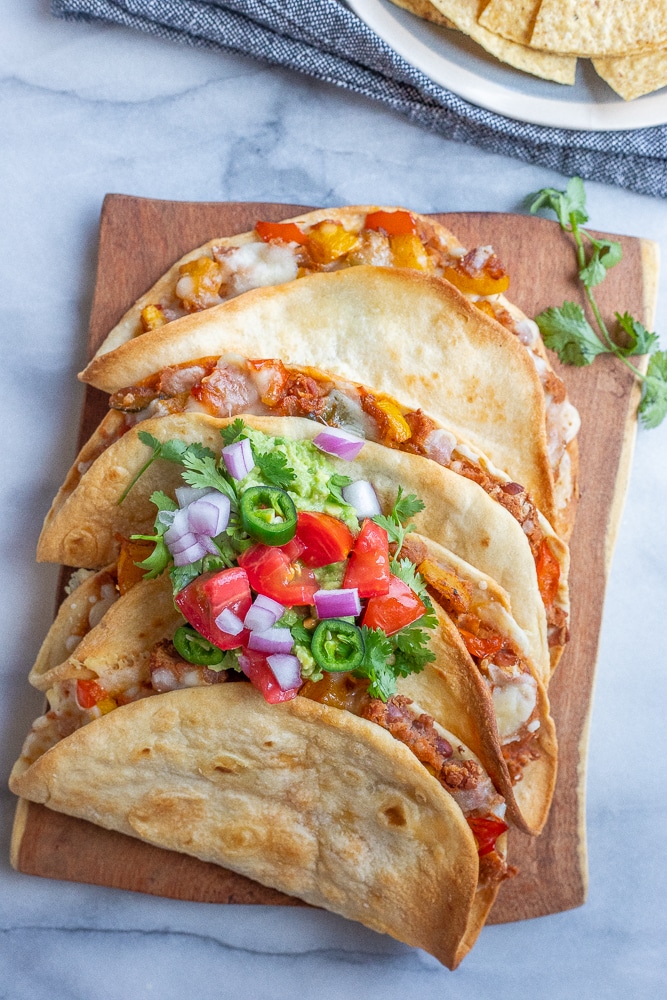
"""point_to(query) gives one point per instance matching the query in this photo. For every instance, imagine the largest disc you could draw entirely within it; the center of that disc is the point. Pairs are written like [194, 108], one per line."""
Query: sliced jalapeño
[337, 645]
[194, 648]
[268, 515]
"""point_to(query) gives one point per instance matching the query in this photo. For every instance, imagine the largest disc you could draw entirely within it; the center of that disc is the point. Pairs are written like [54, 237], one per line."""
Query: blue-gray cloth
[328, 41]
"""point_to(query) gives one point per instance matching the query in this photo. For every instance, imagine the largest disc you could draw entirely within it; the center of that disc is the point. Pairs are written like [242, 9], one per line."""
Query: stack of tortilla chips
[338, 686]
[625, 39]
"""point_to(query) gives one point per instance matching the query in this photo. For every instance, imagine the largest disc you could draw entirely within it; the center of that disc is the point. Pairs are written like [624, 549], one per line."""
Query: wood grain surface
[139, 239]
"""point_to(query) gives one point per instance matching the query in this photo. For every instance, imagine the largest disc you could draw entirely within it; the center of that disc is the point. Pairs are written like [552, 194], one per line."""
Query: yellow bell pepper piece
[409, 251]
[398, 428]
[327, 241]
[152, 317]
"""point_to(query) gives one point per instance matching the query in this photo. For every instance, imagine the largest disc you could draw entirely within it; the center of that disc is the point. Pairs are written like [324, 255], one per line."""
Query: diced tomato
[392, 223]
[325, 539]
[481, 646]
[486, 830]
[548, 573]
[271, 572]
[208, 596]
[281, 232]
[397, 609]
[256, 668]
[88, 693]
[368, 568]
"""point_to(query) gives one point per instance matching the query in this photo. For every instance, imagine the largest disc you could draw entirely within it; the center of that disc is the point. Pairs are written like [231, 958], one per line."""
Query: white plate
[457, 63]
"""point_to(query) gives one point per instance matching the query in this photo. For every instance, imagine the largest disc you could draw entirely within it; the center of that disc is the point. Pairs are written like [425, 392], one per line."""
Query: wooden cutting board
[139, 239]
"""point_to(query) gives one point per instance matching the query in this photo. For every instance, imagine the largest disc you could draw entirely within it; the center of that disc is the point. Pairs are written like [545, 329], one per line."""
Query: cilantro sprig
[395, 523]
[567, 331]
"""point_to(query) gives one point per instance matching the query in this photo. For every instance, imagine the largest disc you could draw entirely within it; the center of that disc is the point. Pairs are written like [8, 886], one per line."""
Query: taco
[497, 676]
[302, 797]
[340, 238]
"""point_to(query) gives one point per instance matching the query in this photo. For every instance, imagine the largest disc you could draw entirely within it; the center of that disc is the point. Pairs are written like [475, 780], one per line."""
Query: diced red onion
[228, 622]
[269, 605]
[363, 498]
[189, 555]
[238, 458]
[263, 614]
[286, 669]
[439, 445]
[182, 542]
[207, 543]
[187, 494]
[259, 619]
[335, 441]
[337, 603]
[180, 526]
[273, 640]
[209, 515]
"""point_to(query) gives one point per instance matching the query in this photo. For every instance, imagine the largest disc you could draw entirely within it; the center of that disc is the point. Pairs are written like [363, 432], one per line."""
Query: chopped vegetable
[325, 539]
[335, 441]
[238, 458]
[368, 569]
[337, 603]
[268, 514]
[337, 645]
[194, 648]
[206, 597]
[395, 610]
[271, 572]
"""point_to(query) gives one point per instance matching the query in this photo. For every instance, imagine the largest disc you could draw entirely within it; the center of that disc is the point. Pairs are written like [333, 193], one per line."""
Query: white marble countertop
[85, 110]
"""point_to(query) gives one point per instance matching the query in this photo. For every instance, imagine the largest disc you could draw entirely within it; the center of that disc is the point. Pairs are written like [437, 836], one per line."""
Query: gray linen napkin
[328, 41]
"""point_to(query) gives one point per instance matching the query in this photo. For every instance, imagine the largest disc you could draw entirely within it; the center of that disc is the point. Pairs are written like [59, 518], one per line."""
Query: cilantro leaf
[201, 471]
[412, 650]
[301, 634]
[407, 572]
[653, 404]
[162, 501]
[156, 563]
[376, 665]
[233, 431]
[641, 341]
[568, 332]
[567, 204]
[606, 254]
[406, 506]
[394, 524]
[335, 485]
[275, 470]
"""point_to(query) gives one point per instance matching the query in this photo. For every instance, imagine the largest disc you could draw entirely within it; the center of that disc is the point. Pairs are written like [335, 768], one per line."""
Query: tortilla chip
[600, 27]
[464, 14]
[634, 76]
[301, 797]
[426, 10]
[512, 19]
